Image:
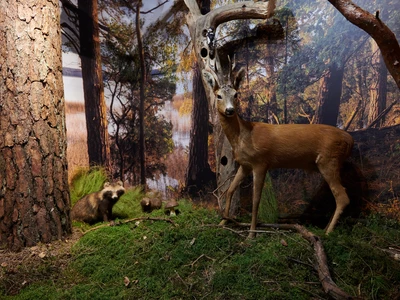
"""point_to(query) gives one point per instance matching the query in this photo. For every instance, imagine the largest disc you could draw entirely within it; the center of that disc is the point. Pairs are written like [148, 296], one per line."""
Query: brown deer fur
[258, 147]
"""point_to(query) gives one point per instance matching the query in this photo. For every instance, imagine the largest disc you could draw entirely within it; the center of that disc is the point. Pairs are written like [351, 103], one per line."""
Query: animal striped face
[113, 191]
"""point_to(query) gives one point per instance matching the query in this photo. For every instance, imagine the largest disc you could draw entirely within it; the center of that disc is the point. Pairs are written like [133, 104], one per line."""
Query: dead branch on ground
[112, 223]
[197, 259]
[321, 264]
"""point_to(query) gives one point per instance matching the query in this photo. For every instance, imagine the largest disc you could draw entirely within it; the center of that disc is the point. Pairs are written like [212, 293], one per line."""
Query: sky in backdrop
[73, 87]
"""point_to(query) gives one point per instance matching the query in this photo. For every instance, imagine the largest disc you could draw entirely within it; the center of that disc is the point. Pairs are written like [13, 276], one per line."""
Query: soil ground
[18, 269]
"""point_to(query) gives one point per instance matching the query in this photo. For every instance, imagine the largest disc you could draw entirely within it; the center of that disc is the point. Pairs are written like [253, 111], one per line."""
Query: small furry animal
[150, 204]
[98, 206]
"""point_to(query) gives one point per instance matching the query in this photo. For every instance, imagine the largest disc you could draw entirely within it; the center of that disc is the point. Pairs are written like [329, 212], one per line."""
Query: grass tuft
[86, 181]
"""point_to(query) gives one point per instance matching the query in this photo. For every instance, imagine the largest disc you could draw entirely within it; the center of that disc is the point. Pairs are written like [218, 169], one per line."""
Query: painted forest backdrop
[312, 66]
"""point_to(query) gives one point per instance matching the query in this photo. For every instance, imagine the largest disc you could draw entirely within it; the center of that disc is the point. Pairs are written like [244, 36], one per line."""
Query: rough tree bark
[378, 90]
[374, 26]
[34, 195]
[93, 88]
[142, 141]
[202, 28]
[199, 176]
[329, 96]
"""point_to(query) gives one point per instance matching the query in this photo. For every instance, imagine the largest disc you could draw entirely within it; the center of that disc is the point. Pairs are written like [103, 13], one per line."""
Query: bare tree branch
[374, 26]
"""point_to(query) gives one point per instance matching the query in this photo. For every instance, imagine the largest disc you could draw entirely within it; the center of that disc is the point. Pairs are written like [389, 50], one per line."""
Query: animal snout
[229, 111]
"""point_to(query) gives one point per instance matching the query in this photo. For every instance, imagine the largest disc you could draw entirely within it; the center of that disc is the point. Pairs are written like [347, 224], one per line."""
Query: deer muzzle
[229, 111]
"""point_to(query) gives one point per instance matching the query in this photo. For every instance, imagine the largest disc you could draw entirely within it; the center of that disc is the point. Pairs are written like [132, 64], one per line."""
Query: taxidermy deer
[258, 147]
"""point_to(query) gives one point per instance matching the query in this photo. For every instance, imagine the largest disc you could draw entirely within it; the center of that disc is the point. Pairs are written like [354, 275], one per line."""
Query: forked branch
[203, 27]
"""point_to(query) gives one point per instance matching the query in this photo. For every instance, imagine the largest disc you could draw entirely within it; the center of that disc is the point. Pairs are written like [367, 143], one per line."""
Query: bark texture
[34, 195]
[142, 141]
[374, 26]
[329, 96]
[378, 92]
[95, 106]
[199, 176]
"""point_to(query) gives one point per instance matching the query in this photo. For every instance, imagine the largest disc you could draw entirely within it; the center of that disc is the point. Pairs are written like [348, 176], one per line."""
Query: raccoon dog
[150, 204]
[98, 206]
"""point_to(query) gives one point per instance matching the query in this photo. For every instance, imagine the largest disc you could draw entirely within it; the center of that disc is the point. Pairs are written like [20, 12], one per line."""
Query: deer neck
[234, 128]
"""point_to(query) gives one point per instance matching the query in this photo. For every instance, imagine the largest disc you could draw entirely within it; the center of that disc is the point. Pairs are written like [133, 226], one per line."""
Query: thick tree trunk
[199, 176]
[329, 96]
[34, 195]
[271, 83]
[142, 141]
[374, 26]
[378, 92]
[95, 106]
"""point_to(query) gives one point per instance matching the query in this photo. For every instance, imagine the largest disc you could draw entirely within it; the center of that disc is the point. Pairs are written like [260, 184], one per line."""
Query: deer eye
[219, 96]
[235, 96]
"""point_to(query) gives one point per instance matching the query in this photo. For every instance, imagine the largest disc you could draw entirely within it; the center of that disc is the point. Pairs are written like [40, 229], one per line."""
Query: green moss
[196, 259]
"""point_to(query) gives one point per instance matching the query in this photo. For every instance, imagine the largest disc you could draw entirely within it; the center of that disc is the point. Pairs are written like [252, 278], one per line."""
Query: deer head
[224, 87]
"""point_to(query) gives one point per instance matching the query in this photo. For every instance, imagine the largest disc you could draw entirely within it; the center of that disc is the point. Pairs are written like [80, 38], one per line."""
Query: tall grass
[77, 153]
[89, 180]
[86, 181]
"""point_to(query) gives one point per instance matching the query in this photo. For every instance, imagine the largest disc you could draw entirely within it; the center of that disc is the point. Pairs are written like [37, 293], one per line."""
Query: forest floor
[189, 256]
[32, 264]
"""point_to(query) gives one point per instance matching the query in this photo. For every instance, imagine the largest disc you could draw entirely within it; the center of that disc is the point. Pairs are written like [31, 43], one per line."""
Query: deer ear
[210, 79]
[238, 78]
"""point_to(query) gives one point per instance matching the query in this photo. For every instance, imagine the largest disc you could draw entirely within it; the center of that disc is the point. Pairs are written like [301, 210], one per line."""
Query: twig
[234, 231]
[301, 262]
[382, 114]
[197, 259]
[179, 276]
[222, 260]
[266, 225]
[148, 218]
[325, 278]
[214, 192]
[392, 252]
[128, 221]
[262, 231]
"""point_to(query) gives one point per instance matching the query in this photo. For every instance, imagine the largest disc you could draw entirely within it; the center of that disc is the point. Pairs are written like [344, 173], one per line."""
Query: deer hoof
[251, 236]
[223, 222]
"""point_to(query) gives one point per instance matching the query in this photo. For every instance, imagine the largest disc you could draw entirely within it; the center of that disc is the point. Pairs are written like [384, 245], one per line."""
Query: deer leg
[331, 173]
[240, 175]
[258, 183]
